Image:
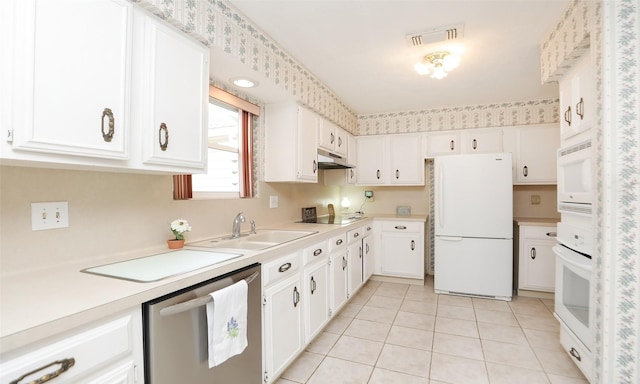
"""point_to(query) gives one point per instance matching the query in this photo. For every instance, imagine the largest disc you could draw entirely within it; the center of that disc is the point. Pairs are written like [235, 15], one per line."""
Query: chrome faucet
[236, 225]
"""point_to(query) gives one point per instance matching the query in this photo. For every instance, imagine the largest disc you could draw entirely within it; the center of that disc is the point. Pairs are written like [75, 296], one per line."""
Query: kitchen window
[230, 151]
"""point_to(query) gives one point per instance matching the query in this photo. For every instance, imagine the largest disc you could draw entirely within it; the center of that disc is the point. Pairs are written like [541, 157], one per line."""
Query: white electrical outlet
[49, 215]
[273, 201]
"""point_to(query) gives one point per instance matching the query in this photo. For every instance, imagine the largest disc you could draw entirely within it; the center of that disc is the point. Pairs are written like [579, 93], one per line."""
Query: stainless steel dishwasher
[175, 335]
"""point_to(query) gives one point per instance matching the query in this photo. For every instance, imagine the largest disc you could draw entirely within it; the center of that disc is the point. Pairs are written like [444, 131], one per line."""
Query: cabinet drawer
[315, 252]
[354, 235]
[576, 350]
[367, 229]
[90, 351]
[280, 268]
[337, 243]
[537, 232]
[401, 226]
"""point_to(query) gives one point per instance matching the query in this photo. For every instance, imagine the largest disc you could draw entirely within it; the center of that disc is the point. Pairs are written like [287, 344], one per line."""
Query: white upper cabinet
[390, 160]
[406, 163]
[173, 95]
[577, 97]
[467, 141]
[443, 143]
[95, 85]
[482, 141]
[534, 149]
[332, 138]
[290, 143]
[72, 72]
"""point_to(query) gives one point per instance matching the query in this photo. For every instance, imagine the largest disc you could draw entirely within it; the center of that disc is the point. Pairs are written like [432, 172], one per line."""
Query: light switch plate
[49, 215]
[273, 201]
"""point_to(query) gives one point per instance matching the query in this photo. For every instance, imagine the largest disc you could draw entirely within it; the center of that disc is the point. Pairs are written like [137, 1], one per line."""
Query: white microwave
[575, 178]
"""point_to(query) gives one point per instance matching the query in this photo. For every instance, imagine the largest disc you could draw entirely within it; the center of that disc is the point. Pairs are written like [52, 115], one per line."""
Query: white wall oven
[574, 288]
[575, 178]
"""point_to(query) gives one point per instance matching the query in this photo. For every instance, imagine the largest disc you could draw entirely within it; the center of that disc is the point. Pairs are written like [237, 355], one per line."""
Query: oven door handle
[581, 266]
[197, 302]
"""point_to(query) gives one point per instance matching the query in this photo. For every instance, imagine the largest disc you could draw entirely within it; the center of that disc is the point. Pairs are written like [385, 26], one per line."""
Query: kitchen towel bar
[197, 302]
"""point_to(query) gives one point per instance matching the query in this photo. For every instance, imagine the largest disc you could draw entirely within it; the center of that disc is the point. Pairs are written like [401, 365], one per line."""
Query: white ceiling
[360, 51]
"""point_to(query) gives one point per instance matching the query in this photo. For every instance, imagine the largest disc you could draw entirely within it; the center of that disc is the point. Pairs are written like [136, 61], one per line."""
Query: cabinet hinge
[9, 135]
[330, 312]
[266, 377]
[264, 299]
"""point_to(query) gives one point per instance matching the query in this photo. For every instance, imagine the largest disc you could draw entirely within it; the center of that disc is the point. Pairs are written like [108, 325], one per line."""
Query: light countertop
[45, 302]
[536, 221]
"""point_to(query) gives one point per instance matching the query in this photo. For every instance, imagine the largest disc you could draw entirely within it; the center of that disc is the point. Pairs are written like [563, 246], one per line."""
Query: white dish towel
[227, 323]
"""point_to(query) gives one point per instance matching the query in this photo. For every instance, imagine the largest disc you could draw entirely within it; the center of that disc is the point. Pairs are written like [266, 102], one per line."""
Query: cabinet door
[536, 157]
[446, 143]
[406, 161]
[537, 265]
[326, 135]
[339, 279]
[482, 141]
[316, 293]
[175, 78]
[401, 255]
[282, 324]
[367, 257]
[354, 260]
[341, 143]
[370, 155]
[307, 167]
[73, 79]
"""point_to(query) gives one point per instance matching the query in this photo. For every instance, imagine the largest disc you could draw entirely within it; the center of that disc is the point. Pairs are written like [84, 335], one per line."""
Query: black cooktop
[332, 219]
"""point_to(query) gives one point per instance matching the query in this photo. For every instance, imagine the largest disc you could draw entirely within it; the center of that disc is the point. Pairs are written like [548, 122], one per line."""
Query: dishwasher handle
[197, 302]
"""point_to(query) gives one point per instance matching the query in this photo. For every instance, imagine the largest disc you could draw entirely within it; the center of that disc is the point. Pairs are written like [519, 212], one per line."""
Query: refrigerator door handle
[450, 238]
[439, 192]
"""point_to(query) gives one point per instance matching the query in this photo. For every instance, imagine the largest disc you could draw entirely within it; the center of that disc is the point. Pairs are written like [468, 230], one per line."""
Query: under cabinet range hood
[328, 160]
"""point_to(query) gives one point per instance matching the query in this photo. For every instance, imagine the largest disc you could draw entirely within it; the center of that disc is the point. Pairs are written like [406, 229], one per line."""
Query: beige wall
[116, 213]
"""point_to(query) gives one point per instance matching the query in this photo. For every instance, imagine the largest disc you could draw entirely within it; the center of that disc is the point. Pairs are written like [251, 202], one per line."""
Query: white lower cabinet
[316, 303]
[354, 260]
[536, 260]
[106, 352]
[282, 301]
[402, 249]
[338, 272]
[367, 252]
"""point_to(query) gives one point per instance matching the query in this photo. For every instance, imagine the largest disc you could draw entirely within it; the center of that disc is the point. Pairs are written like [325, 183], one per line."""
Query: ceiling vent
[436, 35]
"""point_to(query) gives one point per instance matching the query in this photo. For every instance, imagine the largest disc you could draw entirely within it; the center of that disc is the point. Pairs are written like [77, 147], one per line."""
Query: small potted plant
[178, 227]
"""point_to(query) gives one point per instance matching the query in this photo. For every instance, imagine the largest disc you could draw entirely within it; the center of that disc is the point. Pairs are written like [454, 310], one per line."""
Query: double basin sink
[262, 239]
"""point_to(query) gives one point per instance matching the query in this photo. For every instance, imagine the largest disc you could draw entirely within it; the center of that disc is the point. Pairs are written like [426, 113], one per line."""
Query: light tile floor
[397, 333]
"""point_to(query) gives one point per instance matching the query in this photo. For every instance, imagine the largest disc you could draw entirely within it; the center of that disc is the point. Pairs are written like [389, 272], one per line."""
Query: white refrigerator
[473, 204]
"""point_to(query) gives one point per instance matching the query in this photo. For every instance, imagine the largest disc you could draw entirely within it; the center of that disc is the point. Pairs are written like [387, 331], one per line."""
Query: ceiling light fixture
[438, 64]
[243, 82]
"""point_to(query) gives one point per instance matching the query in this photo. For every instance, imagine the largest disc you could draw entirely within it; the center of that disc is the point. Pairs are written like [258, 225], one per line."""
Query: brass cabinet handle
[333, 138]
[378, 174]
[312, 285]
[65, 364]
[284, 267]
[552, 234]
[355, 235]
[315, 166]
[339, 241]
[533, 253]
[317, 252]
[339, 142]
[474, 144]
[413, 245]
[397, 174]
[567, 115]
[107, 136]
[296, 297]
[580, 109]
[525, 171]
[575, 354]
[400, 227]
[163, 127]
[452, 145]
[344, 263]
